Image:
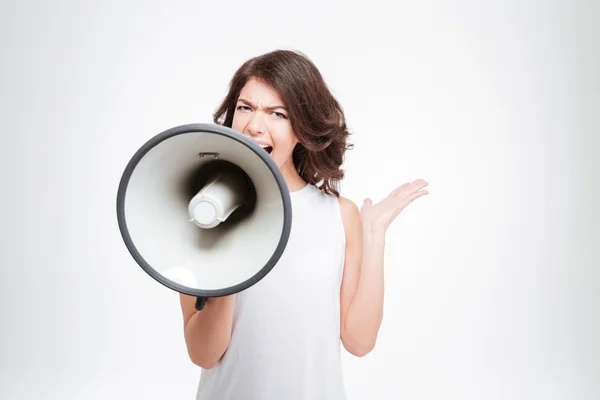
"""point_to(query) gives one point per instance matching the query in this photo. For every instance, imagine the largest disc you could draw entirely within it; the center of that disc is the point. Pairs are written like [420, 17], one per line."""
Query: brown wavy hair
[315, 115]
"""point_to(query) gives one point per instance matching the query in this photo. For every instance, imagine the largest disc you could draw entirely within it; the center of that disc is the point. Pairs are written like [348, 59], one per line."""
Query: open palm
[379, 216]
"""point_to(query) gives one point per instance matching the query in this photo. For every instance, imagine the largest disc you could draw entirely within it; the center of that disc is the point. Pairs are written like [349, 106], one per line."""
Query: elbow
[359, 348]
[205, 357]
[203, 362]
[206, 353]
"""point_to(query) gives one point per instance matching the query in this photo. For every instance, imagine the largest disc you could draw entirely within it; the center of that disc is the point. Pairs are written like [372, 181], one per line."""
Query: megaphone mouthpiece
[221, 196]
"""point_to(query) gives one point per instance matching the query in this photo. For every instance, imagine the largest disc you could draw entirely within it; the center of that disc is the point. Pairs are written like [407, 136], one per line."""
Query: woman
[280, 338]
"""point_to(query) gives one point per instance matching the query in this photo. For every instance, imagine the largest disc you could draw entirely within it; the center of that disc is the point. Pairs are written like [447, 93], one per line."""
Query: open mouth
[268, 149]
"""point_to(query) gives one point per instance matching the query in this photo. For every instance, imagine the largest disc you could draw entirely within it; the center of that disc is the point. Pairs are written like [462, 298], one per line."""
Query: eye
[243, 108]
[279, 115]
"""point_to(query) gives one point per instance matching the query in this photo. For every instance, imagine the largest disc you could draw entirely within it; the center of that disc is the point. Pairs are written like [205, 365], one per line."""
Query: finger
[417, 195]
[410, 198]
[420, 184]
[401, 205]
[410, 187]
[400, 189]
[414, 187]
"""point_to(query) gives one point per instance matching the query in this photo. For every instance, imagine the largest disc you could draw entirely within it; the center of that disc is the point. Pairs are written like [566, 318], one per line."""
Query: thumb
[367, 202]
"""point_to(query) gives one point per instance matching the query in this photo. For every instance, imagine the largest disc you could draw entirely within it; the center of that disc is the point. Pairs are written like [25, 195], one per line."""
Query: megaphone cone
[204, 210]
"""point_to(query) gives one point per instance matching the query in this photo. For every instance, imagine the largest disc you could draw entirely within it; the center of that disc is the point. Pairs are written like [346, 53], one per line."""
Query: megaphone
[204, 210]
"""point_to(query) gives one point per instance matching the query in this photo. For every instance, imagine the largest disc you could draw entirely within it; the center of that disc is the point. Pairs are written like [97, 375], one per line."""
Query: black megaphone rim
[232, 134]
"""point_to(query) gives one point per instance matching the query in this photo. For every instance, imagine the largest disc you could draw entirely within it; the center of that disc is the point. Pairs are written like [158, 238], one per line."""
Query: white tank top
[285, 342]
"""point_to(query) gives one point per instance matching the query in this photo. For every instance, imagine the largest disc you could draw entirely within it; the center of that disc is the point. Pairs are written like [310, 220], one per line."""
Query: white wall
[492, 280]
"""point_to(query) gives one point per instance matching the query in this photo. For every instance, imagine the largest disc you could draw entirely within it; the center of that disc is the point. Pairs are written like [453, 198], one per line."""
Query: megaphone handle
[200, 302]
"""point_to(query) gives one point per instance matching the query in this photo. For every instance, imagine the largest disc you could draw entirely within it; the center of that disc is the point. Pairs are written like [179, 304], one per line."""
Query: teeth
[264, 146]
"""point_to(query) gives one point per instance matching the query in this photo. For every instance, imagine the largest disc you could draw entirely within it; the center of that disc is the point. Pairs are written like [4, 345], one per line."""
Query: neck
[293, 180]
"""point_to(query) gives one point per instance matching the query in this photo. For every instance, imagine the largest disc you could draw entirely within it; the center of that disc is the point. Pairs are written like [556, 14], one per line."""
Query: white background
[492, 280]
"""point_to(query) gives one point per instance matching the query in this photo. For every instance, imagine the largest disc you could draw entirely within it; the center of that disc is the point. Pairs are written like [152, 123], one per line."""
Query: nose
[256, 126]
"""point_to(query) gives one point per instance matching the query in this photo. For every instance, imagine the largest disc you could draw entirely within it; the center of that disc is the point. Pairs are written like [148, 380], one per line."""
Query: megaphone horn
[204, 210]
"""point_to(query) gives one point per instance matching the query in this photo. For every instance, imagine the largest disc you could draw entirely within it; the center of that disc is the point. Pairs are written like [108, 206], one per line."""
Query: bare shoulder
[350, 215]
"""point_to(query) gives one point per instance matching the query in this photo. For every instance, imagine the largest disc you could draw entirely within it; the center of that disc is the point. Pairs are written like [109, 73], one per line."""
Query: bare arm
[207, 332]
[363, 284]
[362, 292]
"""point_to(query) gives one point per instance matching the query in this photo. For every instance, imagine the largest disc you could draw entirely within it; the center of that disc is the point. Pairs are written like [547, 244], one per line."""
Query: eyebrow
[266, 108]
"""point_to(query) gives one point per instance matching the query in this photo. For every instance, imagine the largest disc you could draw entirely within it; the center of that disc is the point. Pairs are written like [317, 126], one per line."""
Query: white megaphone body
[204, 210]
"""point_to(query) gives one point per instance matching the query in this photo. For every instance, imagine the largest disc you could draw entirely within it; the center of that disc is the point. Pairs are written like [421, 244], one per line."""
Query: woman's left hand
[378, 217]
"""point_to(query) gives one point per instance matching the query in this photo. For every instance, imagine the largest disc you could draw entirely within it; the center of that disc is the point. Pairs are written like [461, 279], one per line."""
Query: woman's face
[260, 114]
